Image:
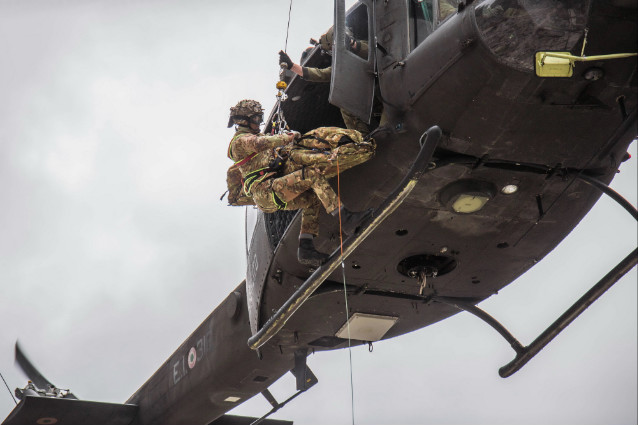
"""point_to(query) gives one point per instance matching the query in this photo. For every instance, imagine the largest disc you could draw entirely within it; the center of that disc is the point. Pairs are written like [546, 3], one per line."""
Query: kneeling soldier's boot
[307, 254]
[350, 221]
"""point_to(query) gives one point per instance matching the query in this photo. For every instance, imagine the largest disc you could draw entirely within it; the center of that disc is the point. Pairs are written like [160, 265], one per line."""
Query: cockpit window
[447, 8]
[356, 38]
[421, 21]
[352, 76]
[515, 30]
[426, 15]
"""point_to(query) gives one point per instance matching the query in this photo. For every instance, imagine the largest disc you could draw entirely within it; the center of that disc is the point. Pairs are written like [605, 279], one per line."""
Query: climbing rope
[345, 291]
[279, 124]
[288, 27]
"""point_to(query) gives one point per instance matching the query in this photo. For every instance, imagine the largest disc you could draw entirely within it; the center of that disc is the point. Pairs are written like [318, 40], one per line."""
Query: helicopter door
[352, 84]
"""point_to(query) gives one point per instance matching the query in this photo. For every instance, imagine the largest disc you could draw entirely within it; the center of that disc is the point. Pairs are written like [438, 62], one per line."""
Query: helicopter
[458, 237]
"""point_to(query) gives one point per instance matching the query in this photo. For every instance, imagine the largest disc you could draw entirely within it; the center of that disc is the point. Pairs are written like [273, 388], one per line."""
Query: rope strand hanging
[279, 124]
[9, 389]
[345, 292]
[288, 27]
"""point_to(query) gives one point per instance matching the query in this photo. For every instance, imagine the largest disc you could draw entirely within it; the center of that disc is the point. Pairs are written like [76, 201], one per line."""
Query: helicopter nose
[515, 31]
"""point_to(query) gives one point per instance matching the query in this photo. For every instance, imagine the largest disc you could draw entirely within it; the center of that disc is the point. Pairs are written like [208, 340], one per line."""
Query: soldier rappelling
[273, 185]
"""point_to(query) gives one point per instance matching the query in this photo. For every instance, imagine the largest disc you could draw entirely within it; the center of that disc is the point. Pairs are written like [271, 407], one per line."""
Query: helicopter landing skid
[429, 140]
[525, 353]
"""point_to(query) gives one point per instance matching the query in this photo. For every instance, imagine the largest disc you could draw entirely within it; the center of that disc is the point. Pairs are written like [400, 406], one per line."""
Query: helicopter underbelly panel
[488, 249]
[503, 128]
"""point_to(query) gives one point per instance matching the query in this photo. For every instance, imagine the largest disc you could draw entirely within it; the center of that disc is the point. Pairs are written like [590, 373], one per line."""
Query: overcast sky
[114, 245]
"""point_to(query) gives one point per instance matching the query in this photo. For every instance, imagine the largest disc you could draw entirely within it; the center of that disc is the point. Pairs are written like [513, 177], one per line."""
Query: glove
[354, 45]
[284, 58]
[294, 135]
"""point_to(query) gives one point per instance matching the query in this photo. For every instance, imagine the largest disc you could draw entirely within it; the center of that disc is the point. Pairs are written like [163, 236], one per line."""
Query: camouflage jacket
[246, 142]
[322, 75]
[317, 75]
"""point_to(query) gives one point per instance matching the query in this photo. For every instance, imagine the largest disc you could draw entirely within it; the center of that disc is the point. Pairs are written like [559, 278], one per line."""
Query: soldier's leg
[354, 123]
[308, 203]
[306, 252]
[325, 193]
[292, 185]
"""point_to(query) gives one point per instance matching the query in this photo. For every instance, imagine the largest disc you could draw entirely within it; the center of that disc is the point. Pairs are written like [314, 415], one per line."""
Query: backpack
[329, 138]
[235, 183]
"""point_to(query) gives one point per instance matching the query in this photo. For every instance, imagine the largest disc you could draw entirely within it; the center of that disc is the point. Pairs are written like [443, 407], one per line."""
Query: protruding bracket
[305, 380]
[303, 374]
[466, 305]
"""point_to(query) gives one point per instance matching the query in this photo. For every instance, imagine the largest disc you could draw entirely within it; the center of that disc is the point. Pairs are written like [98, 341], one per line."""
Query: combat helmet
[245, 111]
[325, 41]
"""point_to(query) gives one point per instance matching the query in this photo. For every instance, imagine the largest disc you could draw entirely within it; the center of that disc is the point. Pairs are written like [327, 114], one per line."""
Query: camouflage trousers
[302, 189]
[354, 123]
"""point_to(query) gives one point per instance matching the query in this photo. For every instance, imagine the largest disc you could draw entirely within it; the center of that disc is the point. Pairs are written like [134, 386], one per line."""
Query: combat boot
[308, 255]
[350, 221]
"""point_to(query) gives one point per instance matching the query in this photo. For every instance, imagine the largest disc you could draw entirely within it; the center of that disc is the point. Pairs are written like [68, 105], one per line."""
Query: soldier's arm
[252, 143]
[361, 49]
[317, 75]
[297, 69]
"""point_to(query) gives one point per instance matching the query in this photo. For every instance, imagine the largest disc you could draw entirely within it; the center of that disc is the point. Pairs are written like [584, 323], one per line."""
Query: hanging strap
[256, 176]
[229, 153]
[245, 160]
[281, 204]
[345, 139]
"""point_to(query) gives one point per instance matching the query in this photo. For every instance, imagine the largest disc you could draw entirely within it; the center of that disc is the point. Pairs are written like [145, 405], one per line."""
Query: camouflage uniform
[446, 9]
[322, 75]
[289, 192]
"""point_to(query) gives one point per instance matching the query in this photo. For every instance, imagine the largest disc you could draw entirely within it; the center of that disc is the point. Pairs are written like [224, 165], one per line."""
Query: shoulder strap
[245, 160]
[230, 147]
[314, 137]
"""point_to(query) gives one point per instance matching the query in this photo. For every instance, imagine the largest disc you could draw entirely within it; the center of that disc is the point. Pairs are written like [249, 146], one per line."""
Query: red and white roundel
[192, 358]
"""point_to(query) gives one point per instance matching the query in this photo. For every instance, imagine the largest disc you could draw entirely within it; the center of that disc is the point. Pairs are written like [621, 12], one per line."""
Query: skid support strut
[572, 313]
[525, 353]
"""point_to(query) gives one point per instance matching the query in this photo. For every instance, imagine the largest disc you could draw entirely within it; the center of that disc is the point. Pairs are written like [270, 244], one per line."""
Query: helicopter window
[352, 77]
[447, 8]
[356, 38]
[421, 20]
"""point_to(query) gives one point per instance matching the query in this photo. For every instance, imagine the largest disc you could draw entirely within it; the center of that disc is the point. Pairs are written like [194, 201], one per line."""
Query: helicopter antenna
[8, 389]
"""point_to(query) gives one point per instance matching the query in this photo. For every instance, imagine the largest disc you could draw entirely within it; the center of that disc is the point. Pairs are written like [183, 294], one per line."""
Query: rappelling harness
[239, 188]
